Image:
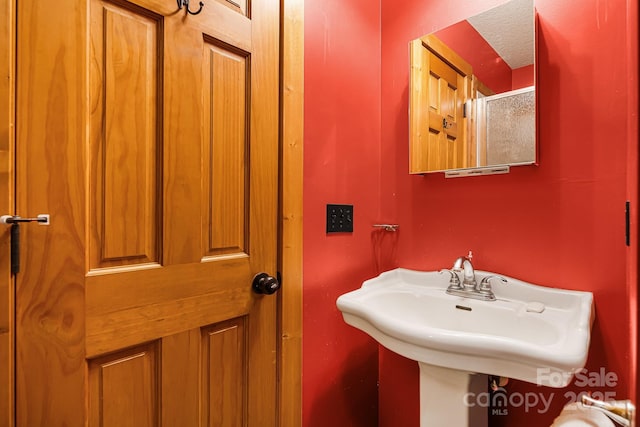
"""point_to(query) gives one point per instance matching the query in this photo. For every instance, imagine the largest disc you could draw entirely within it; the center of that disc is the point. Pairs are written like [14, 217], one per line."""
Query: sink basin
[532, 333]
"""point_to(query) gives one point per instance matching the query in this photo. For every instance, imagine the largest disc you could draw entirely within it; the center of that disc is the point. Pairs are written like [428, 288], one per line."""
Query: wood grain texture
[292, 142]
[182, 136]
[124, 85]
[7, 105]
[434, 44]
[123, 389]
[263, 199]
[126, 308]
[226, 144]
[51, 123]
[183, 406]
[224, 357]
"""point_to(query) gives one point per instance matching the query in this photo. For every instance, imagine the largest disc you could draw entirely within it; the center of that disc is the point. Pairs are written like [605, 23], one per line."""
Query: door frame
[7, 201]
[289, 329]
[290, 215]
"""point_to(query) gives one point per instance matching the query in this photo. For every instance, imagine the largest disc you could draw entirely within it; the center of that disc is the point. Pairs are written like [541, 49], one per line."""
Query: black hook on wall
[185, 3]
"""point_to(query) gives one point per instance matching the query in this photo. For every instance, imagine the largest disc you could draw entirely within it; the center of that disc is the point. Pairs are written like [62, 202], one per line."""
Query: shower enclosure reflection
[506, 128]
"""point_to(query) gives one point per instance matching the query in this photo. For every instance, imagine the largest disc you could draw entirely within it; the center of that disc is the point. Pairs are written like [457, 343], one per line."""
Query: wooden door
[445, 143]
[440, 85]
[150, 136]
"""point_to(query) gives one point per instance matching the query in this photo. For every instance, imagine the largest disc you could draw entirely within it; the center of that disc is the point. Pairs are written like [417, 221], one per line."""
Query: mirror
[472, 94]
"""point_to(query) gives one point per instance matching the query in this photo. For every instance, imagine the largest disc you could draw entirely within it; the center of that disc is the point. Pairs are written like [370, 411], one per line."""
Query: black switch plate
[339, 218]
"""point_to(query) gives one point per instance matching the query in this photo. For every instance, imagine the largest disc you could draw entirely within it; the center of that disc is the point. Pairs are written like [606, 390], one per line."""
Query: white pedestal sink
[527, 331]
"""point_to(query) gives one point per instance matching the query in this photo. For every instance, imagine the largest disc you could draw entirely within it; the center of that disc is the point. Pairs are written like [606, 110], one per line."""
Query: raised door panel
[226, 160]
[454, 128]
[125, 88]
[224, 359]
[124, 389]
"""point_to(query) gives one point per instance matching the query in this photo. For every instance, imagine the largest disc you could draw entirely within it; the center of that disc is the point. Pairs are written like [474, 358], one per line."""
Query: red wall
[523, 77]
[342, 165]
[559, 224]
[487, 64]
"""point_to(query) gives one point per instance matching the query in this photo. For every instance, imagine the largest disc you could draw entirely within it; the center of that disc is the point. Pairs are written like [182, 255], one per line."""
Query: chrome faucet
[464, 264]
[469, 288]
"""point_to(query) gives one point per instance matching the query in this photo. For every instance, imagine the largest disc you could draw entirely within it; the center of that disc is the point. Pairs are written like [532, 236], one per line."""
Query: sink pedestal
[449, 397]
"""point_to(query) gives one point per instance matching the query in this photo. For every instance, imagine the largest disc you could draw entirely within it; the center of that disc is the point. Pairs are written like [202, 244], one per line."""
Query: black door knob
[265, 284]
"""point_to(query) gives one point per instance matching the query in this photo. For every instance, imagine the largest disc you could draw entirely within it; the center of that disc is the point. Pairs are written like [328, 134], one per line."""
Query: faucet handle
[454, 280]
[484, 288]
[485, 284]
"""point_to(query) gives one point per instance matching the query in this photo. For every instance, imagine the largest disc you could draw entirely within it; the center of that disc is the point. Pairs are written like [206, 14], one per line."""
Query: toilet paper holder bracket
[622, 412]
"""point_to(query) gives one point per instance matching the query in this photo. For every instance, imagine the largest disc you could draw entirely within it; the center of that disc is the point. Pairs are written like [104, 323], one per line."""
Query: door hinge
[627, 223]
[15, 248]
